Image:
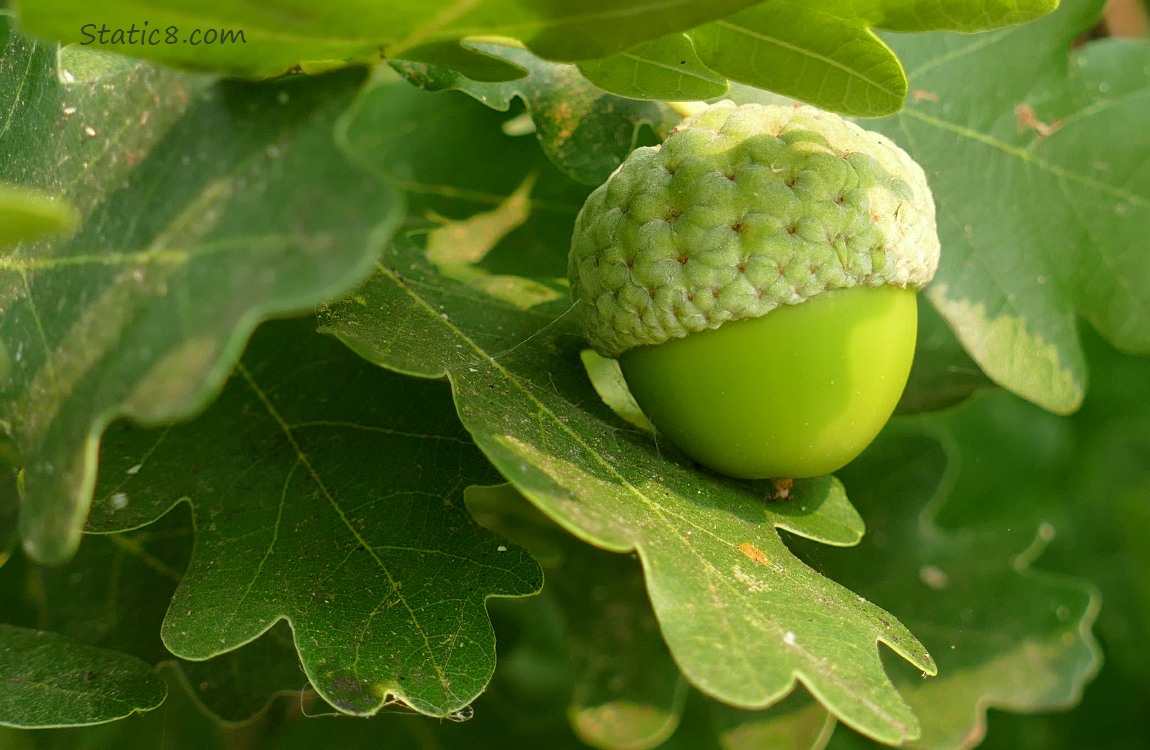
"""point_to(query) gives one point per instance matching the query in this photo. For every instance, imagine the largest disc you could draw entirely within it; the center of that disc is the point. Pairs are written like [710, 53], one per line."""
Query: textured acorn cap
[740, 210]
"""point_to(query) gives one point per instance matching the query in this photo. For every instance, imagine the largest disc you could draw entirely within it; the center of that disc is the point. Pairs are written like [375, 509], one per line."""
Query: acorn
[755, 276]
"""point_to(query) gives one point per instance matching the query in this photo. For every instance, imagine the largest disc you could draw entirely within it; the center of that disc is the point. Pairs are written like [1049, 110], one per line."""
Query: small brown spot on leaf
[753, 553]
[923, 96]
[1027, 119]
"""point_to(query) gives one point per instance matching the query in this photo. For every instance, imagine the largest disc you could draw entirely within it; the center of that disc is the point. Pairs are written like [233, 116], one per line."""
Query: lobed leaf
[49, 680]
[1049, 226]
[1086, 477]
[328, 494]
[206, 206]
[292, 34]
[113, 595]
[667, 68]
[626, 691]
[586, 133]
[1004, 635]
[743, 617]
[824, 54]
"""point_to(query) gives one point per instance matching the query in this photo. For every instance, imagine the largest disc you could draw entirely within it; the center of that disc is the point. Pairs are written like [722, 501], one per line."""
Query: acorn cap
[742, 209]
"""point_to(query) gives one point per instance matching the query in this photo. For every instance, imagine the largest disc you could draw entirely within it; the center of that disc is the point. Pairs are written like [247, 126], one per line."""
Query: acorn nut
[755, 275]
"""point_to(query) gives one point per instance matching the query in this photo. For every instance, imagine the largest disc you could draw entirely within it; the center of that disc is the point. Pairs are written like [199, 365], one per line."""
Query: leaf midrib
[655, 508]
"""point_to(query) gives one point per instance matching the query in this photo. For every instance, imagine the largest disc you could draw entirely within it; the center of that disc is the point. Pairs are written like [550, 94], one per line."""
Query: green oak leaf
[1051, 223]
[742, 616]
[113, 594]
[828, 54]
[1004, 635]
[328, 494]
[270, 38]
[179, 724]
[49, 680]
[206, 206]
[823, 54]
[1088, 477]
[626, 691]
[586, 132]
[667, 68]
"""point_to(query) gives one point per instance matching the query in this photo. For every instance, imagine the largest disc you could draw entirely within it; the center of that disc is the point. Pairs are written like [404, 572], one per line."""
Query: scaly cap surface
[740, 210]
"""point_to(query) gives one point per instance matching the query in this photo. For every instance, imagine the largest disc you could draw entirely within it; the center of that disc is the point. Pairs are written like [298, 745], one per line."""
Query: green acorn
[755, 275]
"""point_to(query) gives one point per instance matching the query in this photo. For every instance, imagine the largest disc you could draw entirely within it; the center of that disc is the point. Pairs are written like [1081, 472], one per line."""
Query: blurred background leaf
[1049, 224]
[49, 680]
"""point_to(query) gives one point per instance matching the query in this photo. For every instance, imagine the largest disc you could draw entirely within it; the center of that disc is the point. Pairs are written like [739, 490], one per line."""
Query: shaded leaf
[326, 493]
[943, 374]
[587, 133]
[1089, 478]
[667, 68]
[1050, 224]
[240, 686]
[799, 722]
[178, 724]
[48, 680]
[825, 55]
[627, 691]
[743, 617]
[206, 208]
[272, 38]
[1003, 635]
[114, 593]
